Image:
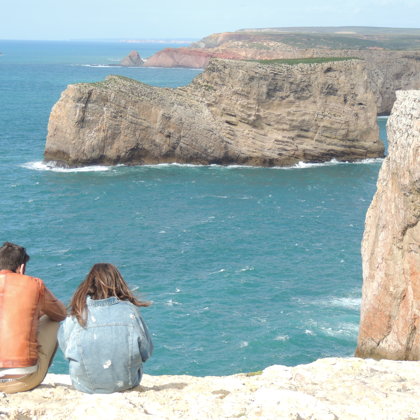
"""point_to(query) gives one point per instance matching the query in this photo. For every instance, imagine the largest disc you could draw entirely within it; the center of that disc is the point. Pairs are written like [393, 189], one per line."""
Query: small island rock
[132, 60]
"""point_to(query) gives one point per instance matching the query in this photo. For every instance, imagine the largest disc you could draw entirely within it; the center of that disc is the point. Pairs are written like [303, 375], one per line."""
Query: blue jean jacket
[107, 355]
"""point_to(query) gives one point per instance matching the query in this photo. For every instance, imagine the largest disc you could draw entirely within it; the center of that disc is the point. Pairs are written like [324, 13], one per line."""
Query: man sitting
[29, 320]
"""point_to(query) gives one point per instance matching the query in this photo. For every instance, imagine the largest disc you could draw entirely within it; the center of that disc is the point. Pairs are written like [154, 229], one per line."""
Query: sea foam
[349, 303]
[51, 166]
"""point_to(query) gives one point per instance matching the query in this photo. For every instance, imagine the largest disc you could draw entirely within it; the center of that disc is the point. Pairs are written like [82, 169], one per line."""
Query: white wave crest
[222, 270]
[172, 302]
[51, 166]
[282, 338]
[333, 162]
[246, 268]
[305, 165]
[167, 165]
[344, 329]
[98, 65]
[346, 302]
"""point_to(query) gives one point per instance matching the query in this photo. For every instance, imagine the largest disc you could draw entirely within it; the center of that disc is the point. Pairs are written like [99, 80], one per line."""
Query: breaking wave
[51, 166]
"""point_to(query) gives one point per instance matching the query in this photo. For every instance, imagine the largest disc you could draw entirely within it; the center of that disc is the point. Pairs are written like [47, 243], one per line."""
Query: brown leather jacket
[23, 299]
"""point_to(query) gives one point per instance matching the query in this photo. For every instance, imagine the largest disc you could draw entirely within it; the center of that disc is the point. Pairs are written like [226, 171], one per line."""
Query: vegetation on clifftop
[336, 38]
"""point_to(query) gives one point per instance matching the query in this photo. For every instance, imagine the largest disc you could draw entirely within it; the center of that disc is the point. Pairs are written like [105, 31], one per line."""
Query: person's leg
[47, 345]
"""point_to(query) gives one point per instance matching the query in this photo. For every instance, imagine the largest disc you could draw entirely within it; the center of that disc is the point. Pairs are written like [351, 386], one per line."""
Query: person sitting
[105, 338]
[29, 322]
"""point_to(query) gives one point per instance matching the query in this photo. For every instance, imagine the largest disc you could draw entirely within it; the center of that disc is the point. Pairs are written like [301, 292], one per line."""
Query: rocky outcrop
[328, 389]
[234, 112]
[184, 57]
[388, 70]
[390, 311]
[132, 60]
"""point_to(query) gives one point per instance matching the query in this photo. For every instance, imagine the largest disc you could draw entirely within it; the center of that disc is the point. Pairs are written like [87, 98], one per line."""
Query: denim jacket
[107, 354]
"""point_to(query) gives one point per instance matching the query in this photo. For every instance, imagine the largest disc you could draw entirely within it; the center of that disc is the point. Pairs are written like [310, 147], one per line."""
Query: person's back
[28, 324]
[106, 340]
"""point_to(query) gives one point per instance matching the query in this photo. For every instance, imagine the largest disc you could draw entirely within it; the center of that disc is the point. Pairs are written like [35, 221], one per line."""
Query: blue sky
[176, 19]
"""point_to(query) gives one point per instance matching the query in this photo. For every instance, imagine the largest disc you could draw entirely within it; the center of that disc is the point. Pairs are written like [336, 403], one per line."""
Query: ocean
[246, 267]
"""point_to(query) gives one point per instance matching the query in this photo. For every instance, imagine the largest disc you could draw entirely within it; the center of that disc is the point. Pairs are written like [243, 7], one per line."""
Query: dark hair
[12, 256]
[103, 281]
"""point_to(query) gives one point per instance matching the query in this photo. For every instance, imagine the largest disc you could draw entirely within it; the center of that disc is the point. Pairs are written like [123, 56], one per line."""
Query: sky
[188, 19]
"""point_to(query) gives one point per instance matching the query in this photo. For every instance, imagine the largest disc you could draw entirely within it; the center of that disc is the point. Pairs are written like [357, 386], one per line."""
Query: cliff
[390, 311]
[185, 57]
[234, 112]
[328, 389]
[388, 69]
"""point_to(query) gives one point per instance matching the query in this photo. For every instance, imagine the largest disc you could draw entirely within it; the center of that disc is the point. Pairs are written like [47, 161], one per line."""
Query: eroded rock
[330, 389]
[234, 112]
[132, 60]
[390, 312]
[388, 70]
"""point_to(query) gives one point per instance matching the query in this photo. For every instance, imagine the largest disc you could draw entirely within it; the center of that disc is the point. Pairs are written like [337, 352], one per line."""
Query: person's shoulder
[127, 307]
[29, 279]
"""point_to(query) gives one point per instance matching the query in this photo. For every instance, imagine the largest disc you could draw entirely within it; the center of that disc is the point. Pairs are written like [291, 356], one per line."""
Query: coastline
[332, 388]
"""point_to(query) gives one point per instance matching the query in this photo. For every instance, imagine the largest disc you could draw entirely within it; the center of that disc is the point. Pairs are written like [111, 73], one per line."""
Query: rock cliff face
[185, 57]
[328, 389]
[234, 112]
[390, 312]
[388, 71]
[132, 60]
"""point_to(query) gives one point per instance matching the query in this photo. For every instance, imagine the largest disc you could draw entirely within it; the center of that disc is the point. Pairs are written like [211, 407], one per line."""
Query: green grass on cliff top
[312, 60]
[337, 38]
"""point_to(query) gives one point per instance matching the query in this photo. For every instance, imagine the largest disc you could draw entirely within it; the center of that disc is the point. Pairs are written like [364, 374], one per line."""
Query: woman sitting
[105, 338]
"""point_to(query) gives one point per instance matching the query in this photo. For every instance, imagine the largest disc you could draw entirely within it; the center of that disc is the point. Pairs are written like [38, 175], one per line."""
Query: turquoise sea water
[247, 267]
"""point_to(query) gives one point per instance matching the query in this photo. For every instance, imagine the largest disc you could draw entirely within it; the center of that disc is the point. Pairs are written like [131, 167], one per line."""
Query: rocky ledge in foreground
[328, 389]
[233, 113]
[390, 312]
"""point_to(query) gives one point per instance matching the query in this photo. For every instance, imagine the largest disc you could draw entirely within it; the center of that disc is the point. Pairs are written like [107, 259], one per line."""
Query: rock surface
[390, 311]
[388, 70]
[132, 60]
[234, 112]
[327, 389]
[185, 57]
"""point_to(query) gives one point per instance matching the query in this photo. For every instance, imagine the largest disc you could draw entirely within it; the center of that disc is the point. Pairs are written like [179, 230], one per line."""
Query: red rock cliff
[390, 313]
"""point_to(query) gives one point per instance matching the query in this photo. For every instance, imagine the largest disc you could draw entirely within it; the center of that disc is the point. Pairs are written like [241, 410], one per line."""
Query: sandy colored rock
[132, 60]
[388, 70]
[328, 389]
[233, 113]
[390, 311]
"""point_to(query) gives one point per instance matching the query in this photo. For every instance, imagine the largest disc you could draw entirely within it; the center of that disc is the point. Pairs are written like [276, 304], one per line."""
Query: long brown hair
[103, 281]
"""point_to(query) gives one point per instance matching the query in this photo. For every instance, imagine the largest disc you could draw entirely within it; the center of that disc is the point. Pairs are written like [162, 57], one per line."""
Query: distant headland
[392, 54]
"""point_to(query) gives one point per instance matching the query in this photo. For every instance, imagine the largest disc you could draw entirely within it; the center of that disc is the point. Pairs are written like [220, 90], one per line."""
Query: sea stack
[132, 60]
[390, 312]
[233, 113]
